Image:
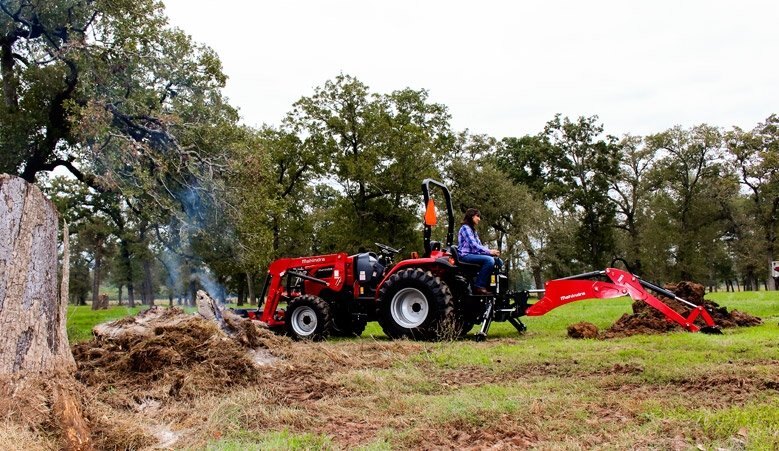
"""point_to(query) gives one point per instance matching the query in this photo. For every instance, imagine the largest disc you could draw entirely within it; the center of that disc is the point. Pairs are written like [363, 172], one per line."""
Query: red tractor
[424, 297]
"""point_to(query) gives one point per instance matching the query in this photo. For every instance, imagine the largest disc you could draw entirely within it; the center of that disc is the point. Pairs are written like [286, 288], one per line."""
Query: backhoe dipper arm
[578, 288]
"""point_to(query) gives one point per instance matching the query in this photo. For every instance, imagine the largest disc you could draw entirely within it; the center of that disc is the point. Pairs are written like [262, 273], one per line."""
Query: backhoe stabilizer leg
[485, 325]
[518, 324]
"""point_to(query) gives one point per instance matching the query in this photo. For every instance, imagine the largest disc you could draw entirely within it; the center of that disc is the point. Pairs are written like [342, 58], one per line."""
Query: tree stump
[102, 302]
[34, 347]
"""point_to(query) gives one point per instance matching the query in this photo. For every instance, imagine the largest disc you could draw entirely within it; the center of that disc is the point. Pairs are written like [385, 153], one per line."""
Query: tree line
[167, 191]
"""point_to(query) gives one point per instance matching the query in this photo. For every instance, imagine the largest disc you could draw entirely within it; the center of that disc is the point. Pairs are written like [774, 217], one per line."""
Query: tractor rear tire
[308, 317]
[466, 327]
[413, 303]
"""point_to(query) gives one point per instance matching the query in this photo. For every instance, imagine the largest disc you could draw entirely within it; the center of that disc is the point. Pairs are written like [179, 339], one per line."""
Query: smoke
[200, 233]
[206, 280]
[172, 264]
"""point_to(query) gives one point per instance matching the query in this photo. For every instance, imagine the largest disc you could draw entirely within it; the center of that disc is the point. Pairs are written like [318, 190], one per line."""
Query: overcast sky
[504, 68]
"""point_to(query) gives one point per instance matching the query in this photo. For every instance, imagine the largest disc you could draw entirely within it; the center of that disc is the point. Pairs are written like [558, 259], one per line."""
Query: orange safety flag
[431, 218]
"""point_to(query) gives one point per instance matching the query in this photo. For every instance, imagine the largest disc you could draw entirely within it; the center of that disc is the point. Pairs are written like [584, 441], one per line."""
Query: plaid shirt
[469, 242]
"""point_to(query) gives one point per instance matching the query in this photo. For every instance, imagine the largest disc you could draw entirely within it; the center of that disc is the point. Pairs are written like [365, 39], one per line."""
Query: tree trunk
[192, 287]
[130, 295]
[241, 290]
[128, 271]
[148, 285]
[250, 285]
[33, 324]
[96, 304]
[32, 316]
[119, 294]
[221, 294]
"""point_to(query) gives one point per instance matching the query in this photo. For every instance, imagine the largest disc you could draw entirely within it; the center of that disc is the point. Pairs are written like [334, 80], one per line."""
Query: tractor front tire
[308, 317]
[413, 303]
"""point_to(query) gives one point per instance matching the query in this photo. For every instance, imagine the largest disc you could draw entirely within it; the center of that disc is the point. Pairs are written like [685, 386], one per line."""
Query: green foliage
[378, 148]
[528, 161]
[572, 165]
[691, 204]
[756, 162]
[583, 166]
[133, 109]
[80, 285]
[631, 191]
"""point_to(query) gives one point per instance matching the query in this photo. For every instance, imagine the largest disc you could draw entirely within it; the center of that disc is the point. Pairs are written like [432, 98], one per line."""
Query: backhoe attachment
[612, 283]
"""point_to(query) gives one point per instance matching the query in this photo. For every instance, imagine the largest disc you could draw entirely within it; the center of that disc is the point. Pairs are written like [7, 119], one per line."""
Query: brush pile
[165, 352]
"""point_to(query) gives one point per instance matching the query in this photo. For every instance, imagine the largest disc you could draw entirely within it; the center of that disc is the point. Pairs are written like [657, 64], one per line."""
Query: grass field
[538, 390]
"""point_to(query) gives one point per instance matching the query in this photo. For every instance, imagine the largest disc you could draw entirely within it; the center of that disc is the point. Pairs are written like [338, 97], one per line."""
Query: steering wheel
[387, 249]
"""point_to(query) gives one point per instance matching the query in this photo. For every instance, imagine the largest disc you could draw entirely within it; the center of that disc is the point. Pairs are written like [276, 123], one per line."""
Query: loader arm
[275, 291]
[622, 283]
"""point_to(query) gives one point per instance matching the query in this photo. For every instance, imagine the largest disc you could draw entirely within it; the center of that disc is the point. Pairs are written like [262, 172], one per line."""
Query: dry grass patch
[15, 436]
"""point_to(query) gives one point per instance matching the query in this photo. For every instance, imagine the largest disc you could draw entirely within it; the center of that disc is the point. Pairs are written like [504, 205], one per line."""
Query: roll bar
[428, 230]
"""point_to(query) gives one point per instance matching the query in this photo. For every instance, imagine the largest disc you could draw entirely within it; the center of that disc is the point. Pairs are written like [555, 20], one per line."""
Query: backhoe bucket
[711, 330]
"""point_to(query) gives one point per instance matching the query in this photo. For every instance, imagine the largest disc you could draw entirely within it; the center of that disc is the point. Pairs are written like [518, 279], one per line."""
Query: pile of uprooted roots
[645, 319]
[169, 353]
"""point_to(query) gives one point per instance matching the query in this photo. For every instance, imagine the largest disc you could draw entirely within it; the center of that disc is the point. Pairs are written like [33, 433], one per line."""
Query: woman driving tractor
[472, 251]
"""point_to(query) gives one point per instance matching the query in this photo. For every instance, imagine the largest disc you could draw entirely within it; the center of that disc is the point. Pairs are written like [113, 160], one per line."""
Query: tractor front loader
[324, 295]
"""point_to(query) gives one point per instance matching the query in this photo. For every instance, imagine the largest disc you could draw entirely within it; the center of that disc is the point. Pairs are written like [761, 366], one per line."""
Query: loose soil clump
[583, 330]
[139, 369]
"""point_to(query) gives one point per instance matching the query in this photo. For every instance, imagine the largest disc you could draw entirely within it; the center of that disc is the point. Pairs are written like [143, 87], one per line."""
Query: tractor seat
[467, 267]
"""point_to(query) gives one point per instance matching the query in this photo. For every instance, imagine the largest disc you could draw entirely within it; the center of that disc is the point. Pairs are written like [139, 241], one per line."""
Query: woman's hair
[469, 214]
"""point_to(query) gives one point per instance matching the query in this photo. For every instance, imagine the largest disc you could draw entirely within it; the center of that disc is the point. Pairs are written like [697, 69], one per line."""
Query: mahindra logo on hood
[312, 260]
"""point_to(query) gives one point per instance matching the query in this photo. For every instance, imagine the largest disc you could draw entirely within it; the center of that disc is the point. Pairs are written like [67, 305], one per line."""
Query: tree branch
[10, 84]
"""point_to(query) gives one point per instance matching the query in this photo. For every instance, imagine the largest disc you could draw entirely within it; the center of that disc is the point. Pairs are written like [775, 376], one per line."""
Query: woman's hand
[494, 252]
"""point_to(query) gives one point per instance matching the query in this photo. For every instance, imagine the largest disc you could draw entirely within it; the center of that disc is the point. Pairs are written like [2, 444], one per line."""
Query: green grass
[81, 319]
[274, 440]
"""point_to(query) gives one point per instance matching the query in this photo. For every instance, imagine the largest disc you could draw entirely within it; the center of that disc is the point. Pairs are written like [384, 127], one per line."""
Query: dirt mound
[648, 320]
[644, 323]
[163, 353]
[583, 330]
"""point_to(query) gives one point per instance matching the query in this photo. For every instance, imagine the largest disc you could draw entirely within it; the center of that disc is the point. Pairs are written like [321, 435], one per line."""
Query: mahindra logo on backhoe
[312, 260]
[571, 296]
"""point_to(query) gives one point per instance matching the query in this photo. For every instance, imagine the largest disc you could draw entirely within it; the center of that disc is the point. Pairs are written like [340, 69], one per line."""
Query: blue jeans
[487, 262]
